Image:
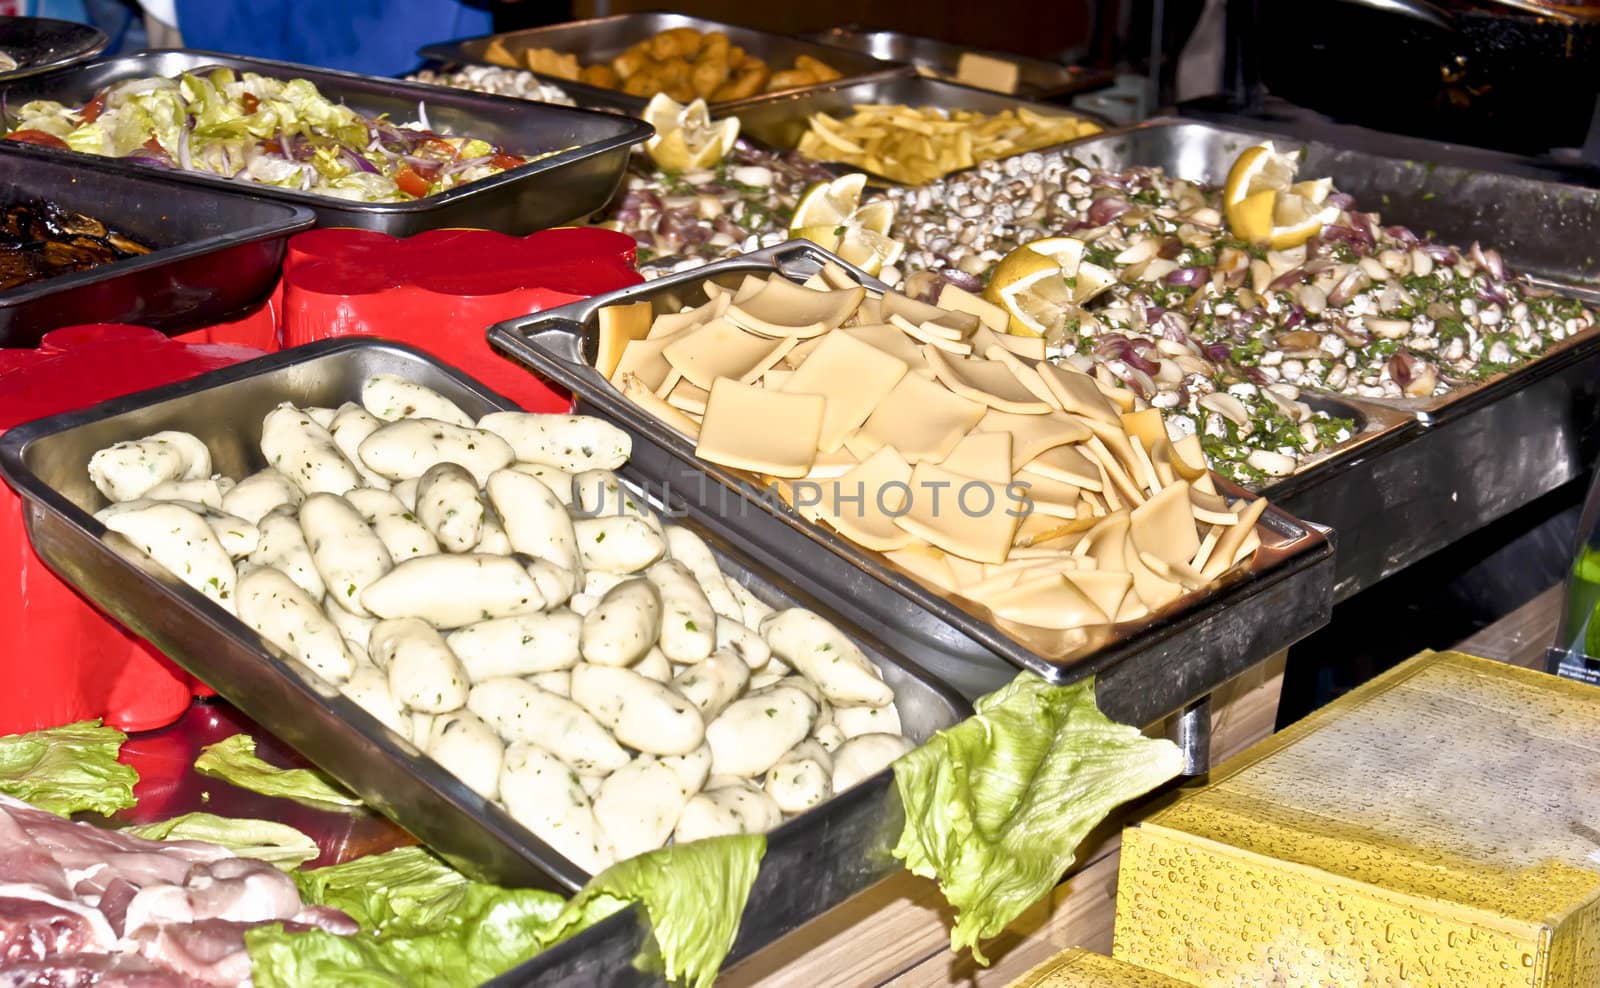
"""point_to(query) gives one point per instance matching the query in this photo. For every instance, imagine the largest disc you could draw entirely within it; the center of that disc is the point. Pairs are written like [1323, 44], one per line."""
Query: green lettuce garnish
[425, 925]
[68, 769]
[693, 895]
[234, 760]
[278, 844]
[997, 805]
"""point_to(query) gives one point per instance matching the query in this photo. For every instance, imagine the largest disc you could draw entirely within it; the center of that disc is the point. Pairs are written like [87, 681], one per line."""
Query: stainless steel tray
[780, 121]
[45, 461]
[216, 253]
[40, 44]
[543, 193]
[603, 38]
[1483, 450]
[1037, 78]
[1145, 670]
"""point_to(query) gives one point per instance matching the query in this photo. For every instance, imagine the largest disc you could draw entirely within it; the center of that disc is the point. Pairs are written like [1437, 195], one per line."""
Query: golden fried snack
[820, 70]
[640, 84]
[714, 45]
[678, 42]
[548, 62]
[631, 61]
[681, 62]
[747, 81]
[790, 79]
[498, 54]
[710, 71]
[603, 76]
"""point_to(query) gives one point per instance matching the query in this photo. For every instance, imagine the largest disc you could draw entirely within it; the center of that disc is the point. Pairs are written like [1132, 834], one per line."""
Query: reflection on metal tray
[46, 462]
[1036, 78]
[1485, 450]
[1280, 597]
[603, 38]
[31, 45]
[540, 194]
[216, 253]
[780, 121]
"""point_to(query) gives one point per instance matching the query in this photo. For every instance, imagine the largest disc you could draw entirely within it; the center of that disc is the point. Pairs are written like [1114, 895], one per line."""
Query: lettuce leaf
[278, 844]
[234, 760]
[68, 769]
[426, 925]
[997, 805]
[693, 896]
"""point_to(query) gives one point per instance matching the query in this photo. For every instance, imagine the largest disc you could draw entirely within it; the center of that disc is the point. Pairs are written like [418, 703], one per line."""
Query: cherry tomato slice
[438, 145]
[411, 183]
[505, 162]
[249, 102]
[39, 137]
[91, 110]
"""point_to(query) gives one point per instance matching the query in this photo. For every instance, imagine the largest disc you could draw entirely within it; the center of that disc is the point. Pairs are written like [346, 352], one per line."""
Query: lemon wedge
[1266, 206]
[830, 215]
[686, 137]
[1043, 284]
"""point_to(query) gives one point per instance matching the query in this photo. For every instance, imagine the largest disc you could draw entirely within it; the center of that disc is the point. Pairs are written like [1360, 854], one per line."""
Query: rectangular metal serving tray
[602, 38]
[1481, 451]
[779, 121]
[216, 253]
[544, 193]
[1144, 672]
[1037, 78]
[45, 461]
[1542, 228]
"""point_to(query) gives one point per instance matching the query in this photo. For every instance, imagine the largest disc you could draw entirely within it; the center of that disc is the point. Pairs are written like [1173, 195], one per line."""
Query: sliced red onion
[1140, 381]
[726, 226]
[1189, 277]
[1402, 234]
[1174, 327]
[1341, 199]
[1491, 292]
[1104, 210]
[1256, 375]
[1110, 180]
[1348, 287]
[962, 280]
[1495, 264]
[1295, 317]
[1217, 352]
[145, 156]
[684, 226]
[1402, 367]
[1287, 280]
[1441, 254]
[1356, 239]
[358, 162]
[1152, 314]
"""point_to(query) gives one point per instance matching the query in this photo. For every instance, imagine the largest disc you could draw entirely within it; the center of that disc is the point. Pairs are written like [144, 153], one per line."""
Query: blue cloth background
[377, 37]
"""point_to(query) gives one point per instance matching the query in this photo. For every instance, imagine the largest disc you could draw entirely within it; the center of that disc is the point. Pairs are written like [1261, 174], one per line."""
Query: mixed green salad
[259, 129]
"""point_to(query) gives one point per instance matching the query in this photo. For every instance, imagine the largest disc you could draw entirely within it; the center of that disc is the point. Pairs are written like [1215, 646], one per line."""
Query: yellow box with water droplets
[1078, 968]
[1439, 826]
